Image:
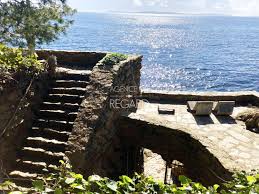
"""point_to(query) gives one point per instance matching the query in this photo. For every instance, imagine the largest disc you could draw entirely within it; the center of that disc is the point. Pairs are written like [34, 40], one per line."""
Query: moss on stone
[113, 58]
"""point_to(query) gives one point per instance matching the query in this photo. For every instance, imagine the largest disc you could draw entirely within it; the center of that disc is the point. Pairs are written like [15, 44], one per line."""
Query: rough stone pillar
[94, 134]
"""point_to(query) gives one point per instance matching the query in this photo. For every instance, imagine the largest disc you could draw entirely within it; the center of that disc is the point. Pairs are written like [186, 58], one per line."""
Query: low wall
[16, 108]
[91, 143]
[241, 98]
[83, 59]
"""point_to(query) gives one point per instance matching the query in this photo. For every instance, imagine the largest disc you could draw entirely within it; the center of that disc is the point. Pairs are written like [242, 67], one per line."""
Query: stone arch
[173, 144]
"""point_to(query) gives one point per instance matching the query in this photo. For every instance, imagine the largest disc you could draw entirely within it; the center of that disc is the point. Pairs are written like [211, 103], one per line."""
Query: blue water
[187, 53]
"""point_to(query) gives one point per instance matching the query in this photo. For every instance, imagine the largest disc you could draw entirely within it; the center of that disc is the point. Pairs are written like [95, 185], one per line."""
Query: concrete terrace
[224, 137]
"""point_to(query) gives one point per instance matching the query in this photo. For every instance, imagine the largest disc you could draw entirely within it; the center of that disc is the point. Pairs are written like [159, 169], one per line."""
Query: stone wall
[93, 140]
[16, 108]
[241, 98]
[81, 59]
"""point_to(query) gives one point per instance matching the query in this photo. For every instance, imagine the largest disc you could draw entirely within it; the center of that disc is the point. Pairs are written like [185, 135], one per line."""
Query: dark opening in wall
[132, 159]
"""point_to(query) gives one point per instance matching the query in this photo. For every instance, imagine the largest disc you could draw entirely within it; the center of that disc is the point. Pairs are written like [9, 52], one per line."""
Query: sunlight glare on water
[191, 53]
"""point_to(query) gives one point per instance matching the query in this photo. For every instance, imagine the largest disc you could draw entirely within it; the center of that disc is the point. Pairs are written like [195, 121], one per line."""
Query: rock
[251, 119]
[52, 64]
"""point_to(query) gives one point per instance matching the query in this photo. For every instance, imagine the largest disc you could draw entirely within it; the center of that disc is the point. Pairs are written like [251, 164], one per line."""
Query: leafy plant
[64, 181]
[243, 183]
[113, 58]
[6, 186]
[14, 59]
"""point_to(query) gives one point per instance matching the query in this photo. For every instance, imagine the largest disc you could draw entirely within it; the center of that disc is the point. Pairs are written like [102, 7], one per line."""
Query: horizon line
[163, 13]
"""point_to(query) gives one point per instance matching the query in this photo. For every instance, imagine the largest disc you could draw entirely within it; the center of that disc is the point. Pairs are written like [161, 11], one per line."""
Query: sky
[226, 7]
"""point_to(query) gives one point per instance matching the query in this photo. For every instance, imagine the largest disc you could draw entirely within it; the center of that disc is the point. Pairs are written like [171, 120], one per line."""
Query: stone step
[64, 98]
[46, 133]
[46, 144]
[22, 189]
[35, 167]
[56, 115]
[23, 179]
[54, 124]
[68, 107]
[75, 76]
[69, 84]
[39, 155]
[72, 91]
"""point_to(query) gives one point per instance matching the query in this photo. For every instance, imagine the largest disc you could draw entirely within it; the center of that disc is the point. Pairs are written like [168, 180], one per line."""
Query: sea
[180, 52]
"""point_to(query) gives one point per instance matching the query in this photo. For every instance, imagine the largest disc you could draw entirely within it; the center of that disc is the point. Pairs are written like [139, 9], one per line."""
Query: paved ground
[226, 138]
[154, 165]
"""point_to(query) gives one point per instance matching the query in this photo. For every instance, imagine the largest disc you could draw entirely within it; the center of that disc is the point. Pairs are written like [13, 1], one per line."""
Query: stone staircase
[47, 140]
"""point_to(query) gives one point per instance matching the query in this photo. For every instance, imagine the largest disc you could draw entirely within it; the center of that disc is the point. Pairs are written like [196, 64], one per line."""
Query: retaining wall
[16, 109]
[94, 133]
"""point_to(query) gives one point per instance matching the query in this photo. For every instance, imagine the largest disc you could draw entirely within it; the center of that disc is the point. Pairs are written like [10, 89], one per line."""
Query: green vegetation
[14, 59]
[27, 23]
[65, 181]
[113, 58]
